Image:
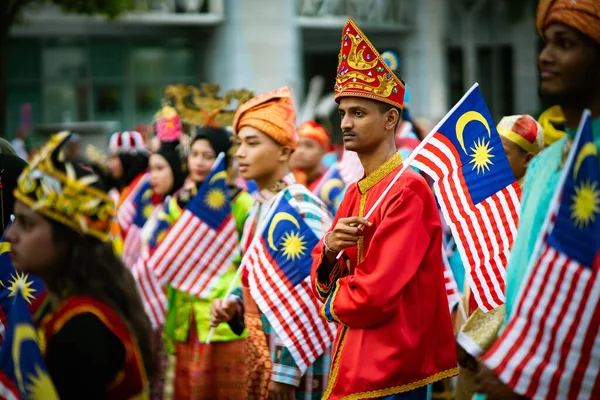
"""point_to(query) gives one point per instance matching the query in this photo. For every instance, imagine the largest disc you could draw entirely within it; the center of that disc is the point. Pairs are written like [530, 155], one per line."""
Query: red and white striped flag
[151, 291]
[550, 348]
[128, 209]
[278, 262]
[132, 246]
[201, 246]
[477, 193]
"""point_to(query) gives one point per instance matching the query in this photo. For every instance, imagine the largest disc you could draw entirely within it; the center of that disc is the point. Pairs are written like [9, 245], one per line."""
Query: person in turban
[307, 161]
[569, 65]
[265, 130]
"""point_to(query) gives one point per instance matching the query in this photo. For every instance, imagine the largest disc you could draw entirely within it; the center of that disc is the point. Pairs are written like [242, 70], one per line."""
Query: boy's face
[518, 158]
[308, 155]
[258, 155]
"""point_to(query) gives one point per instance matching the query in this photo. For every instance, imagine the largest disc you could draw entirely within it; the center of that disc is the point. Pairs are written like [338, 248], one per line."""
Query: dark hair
[133, 165]
[91, 268]
[219, 139]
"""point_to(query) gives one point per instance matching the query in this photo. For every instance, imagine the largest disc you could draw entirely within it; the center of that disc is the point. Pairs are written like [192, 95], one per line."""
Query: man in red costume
[387, 291]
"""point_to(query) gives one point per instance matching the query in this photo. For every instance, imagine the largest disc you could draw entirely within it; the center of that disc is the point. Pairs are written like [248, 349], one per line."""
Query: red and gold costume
[129, 381]
[387, 292]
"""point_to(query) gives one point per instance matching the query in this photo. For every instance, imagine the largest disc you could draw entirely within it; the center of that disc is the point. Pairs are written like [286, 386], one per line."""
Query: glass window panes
[65, 102]
[147, 102]
[64, 61]
[23, 61]
[108, 102]
[108, 59]
[148, 63]
[18, 95]
[180, 62]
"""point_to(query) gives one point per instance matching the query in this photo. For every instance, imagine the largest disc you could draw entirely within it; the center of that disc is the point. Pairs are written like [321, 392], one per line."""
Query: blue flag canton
[331, 187]
[143, 204]
[212, 204]
[290, 241]
[27, 372]
[576, 231]
[473, 134]
[162, 227]
[11, 280]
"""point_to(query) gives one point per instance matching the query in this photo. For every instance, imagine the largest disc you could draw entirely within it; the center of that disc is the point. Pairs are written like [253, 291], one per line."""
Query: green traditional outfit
[205, 371]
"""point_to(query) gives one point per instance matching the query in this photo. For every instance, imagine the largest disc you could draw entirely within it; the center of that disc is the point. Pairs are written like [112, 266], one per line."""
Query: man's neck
[372, 161]
[268, 181]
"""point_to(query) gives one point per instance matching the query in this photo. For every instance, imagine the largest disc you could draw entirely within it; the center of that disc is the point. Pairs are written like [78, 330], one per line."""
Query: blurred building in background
[86, 73]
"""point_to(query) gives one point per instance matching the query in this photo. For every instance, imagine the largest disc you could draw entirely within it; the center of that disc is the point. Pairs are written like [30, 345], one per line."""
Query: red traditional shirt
[396, 331]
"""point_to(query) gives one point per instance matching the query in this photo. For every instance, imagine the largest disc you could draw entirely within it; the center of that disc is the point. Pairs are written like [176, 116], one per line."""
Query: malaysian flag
[551, 346]
[23, 373]
[278, 262]
[127, 209]
[32, 288]
[142, 201]
[203, 243]
[452, 291]
[150, 289]
[477, 193]
[331, 187]
[338, 177]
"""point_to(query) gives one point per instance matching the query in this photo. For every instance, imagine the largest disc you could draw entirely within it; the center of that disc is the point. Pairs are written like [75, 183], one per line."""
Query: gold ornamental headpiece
[64, 191]
[202, 106]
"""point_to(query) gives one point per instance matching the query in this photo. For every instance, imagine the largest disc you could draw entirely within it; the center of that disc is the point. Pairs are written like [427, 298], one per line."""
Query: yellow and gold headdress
[64, 191]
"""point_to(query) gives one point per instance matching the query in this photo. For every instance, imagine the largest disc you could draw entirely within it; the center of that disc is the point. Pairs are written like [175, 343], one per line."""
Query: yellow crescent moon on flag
[4, 247]
[328, 187]
[23, 333]
[464, 120]
[281, 216]
[218, 175]
[588, 150]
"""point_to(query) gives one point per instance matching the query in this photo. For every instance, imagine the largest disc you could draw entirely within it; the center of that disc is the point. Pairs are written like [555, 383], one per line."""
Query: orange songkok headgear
[363, 73]
[524, 131]
[315, 131]
[583, 15]
[271, 113]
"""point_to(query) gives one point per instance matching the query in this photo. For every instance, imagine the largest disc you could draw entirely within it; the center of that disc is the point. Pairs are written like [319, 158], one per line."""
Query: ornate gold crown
[63, 196]
[202, 106]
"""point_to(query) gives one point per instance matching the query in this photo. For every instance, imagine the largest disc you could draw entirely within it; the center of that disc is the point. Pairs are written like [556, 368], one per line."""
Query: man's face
[258, 155]
[569, 67]
[363, 125]
[517, 157]
[308, 155]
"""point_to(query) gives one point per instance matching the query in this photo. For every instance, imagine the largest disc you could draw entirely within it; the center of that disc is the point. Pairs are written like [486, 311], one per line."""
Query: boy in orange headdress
[306, 162]
[265, 130]
[387, 291]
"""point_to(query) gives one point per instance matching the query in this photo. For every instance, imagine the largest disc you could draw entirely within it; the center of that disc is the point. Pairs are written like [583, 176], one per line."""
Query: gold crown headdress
[202, 106]
[67, 197]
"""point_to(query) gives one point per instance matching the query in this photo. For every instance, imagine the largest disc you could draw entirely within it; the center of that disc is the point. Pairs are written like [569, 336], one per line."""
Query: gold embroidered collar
[376, 176]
